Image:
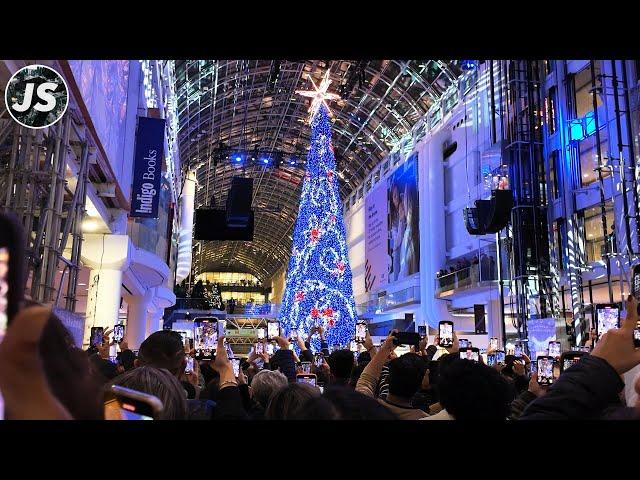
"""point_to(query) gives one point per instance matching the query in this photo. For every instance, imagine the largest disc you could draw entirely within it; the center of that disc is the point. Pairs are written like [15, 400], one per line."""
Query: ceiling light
[89, 225]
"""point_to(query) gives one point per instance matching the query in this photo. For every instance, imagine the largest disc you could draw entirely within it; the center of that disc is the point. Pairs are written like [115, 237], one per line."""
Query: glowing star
[319, 95]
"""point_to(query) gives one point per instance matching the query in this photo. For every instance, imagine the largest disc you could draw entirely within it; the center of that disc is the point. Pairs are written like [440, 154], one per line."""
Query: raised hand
[616, 346]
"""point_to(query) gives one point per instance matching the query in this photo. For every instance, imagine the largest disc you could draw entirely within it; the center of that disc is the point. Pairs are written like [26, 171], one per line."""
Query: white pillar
[107, 256]
[154, 321]
[137, 319]
[103, 302]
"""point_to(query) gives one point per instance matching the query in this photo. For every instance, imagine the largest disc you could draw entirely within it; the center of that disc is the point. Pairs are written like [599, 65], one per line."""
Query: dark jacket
[229, 405]
[584, 391]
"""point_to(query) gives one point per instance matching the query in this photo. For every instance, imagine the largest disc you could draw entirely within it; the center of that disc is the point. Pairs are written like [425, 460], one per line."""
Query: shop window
[589, 160]
[550, 110]
[597, 244]
[582, 87]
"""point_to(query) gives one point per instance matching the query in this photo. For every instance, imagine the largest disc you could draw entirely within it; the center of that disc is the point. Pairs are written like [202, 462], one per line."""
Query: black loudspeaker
[239, 202]
[478, 313]
[211, 224]
[489, 216]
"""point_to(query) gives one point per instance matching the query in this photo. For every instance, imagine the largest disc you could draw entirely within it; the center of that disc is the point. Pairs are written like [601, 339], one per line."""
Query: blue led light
[319, 288]
[467, 64]
[238, 159]
[576, 130]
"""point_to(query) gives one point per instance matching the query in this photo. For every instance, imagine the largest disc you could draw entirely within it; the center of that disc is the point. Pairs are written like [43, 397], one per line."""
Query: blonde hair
[161, 383]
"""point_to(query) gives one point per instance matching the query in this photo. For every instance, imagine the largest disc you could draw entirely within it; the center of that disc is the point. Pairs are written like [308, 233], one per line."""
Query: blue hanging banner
[147, 167]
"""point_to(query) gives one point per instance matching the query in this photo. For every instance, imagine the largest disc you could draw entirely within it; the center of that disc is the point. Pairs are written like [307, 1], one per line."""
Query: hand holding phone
[308, 378]
[545, 370]
[445, 334]
[361, 332]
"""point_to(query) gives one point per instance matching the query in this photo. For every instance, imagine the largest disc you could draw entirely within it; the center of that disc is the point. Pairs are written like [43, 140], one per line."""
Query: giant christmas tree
[318, 288]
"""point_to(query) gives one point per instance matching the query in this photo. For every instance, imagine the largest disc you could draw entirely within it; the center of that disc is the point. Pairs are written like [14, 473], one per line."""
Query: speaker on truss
[211, 224]
[489, 216]
[239, 202]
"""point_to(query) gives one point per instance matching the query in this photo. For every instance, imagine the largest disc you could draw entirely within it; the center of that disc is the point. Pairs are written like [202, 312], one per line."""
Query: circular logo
[36, 96]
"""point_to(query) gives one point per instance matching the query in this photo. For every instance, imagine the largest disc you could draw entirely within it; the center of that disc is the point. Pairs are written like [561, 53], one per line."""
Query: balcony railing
[249, 308]
[465, 278]
[390, 301]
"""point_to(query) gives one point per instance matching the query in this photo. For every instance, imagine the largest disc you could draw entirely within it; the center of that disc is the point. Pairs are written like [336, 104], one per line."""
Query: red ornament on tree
[315, 234]
[330, 175]
[328, 312]
[331, 322]
[315, 312]
[340, 266]
[299, 296]
[332, 217]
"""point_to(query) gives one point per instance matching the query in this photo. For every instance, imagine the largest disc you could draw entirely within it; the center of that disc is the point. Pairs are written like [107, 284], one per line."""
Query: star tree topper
[319, 95]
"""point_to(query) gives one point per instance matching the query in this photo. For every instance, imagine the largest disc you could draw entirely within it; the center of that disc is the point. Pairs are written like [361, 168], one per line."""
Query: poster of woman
[404, 244]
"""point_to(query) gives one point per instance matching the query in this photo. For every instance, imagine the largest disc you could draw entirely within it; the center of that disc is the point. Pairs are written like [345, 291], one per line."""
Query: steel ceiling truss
[243, 105]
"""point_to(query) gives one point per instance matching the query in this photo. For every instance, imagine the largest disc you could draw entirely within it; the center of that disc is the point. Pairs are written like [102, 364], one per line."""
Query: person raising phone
[590, 389]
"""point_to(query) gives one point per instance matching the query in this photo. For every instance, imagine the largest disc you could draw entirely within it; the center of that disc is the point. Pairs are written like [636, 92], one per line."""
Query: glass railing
[466, 277]
[249, 308]
[390, 301]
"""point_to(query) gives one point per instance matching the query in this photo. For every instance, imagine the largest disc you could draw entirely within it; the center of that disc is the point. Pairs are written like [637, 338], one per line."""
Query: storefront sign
[147, 168]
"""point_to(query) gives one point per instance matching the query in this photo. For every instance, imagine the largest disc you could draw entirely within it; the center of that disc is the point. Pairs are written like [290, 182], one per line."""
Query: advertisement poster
[541, 331]
[376, 254]
[403, 230]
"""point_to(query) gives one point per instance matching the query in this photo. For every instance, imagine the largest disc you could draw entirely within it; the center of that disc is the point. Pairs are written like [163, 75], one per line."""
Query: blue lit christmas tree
[319, 289]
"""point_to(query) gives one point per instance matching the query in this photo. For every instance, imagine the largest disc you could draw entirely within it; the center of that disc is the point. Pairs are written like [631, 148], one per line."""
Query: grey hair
[161, 383]
[266, 383]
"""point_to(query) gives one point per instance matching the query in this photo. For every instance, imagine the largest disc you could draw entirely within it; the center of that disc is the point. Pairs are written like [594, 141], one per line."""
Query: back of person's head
[317, 408]
[287, 402]
[364, 357]
[69, 372]
[322, 374]
[356, 372]
[406, 374]
[127, 360]
[352, 405]
[160, 383]
[163, 349]
[473, 391]
[265, 384]
[431, 351]
[341, 364]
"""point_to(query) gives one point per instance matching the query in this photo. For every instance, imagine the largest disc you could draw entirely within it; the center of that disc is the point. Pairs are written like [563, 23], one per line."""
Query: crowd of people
[44, 376]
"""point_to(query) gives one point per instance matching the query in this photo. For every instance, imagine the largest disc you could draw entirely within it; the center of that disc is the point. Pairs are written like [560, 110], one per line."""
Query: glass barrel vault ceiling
[244, 105]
